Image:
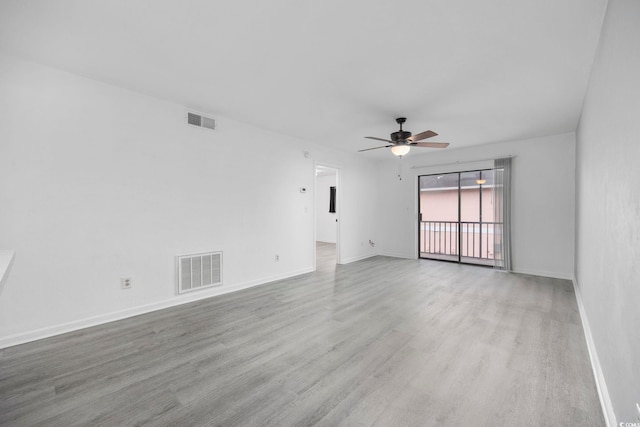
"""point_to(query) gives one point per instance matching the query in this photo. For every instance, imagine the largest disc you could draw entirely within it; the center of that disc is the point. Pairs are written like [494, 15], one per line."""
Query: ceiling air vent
[201, 121]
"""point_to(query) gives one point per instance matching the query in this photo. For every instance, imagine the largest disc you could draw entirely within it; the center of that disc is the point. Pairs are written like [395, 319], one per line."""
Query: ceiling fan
[402, 141]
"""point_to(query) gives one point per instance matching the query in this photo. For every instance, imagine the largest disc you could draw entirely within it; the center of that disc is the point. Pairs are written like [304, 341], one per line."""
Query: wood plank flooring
[379, 342]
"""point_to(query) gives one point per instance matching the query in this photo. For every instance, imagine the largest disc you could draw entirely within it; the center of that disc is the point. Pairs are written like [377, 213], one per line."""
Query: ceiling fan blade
[423, 135]
[378, 139]
[430, 144]
[375, 148]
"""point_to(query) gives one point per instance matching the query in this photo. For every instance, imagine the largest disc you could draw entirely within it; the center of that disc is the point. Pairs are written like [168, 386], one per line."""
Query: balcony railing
[465, 239]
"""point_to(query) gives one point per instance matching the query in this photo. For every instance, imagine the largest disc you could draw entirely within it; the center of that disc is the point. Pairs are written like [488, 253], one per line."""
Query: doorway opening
[457, 217]
[327, 208]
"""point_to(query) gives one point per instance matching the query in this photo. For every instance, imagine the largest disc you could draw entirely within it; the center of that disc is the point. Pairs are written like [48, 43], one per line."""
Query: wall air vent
[201, 121]
[199, 271]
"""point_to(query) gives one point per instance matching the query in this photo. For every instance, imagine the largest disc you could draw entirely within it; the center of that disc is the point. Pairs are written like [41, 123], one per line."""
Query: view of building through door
[327, 208]
[456, 214]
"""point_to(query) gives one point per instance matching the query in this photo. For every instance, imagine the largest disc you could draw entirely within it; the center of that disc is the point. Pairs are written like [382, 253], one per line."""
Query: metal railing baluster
[444, 238]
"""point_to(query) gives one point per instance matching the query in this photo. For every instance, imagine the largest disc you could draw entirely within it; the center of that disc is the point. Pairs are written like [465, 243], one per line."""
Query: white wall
[608, 207]
[357, 205]
[542, 205]
[325, 220]
[98, 183]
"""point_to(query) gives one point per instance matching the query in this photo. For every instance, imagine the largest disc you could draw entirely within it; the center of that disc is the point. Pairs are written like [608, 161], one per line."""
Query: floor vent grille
[199, 271]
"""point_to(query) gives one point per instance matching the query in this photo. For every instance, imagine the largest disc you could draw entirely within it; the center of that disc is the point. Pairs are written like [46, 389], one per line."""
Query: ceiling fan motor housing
[400, 136]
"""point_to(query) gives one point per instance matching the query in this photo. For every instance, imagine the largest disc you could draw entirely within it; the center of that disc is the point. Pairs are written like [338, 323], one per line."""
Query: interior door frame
[339, 207]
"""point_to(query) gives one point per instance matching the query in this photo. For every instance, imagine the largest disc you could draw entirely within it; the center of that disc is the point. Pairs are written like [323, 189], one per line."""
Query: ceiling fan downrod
[401, 135]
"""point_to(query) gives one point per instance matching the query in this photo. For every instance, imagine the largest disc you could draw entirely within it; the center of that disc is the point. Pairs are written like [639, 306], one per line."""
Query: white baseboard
[63, 328]
[601, 385]
[551, 274]
[358, 258]
[397, 255]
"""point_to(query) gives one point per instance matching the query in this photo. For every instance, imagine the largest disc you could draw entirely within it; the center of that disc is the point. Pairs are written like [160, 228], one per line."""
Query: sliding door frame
[459, 224]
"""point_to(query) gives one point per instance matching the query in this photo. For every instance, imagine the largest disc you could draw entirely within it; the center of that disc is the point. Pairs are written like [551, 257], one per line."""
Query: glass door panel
[439, 232]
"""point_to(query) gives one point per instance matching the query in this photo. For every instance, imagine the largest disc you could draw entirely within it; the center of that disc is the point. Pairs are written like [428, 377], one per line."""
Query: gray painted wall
[608, 206]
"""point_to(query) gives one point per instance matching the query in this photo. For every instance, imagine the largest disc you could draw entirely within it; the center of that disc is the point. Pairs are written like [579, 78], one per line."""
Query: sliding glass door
[439, 215]
[457, 217]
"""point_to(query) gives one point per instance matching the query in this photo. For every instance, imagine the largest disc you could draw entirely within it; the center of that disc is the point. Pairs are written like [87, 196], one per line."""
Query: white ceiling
[332, 71]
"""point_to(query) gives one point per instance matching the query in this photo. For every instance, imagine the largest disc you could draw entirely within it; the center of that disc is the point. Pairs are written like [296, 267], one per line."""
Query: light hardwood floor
[380, 342]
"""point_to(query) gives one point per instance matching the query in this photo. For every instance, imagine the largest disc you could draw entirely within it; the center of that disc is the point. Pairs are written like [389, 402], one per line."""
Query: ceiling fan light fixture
[402, 140]
[400, 149]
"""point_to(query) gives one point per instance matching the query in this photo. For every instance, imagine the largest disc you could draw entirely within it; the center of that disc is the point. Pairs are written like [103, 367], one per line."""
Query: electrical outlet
[125, 283]
[277, 258]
